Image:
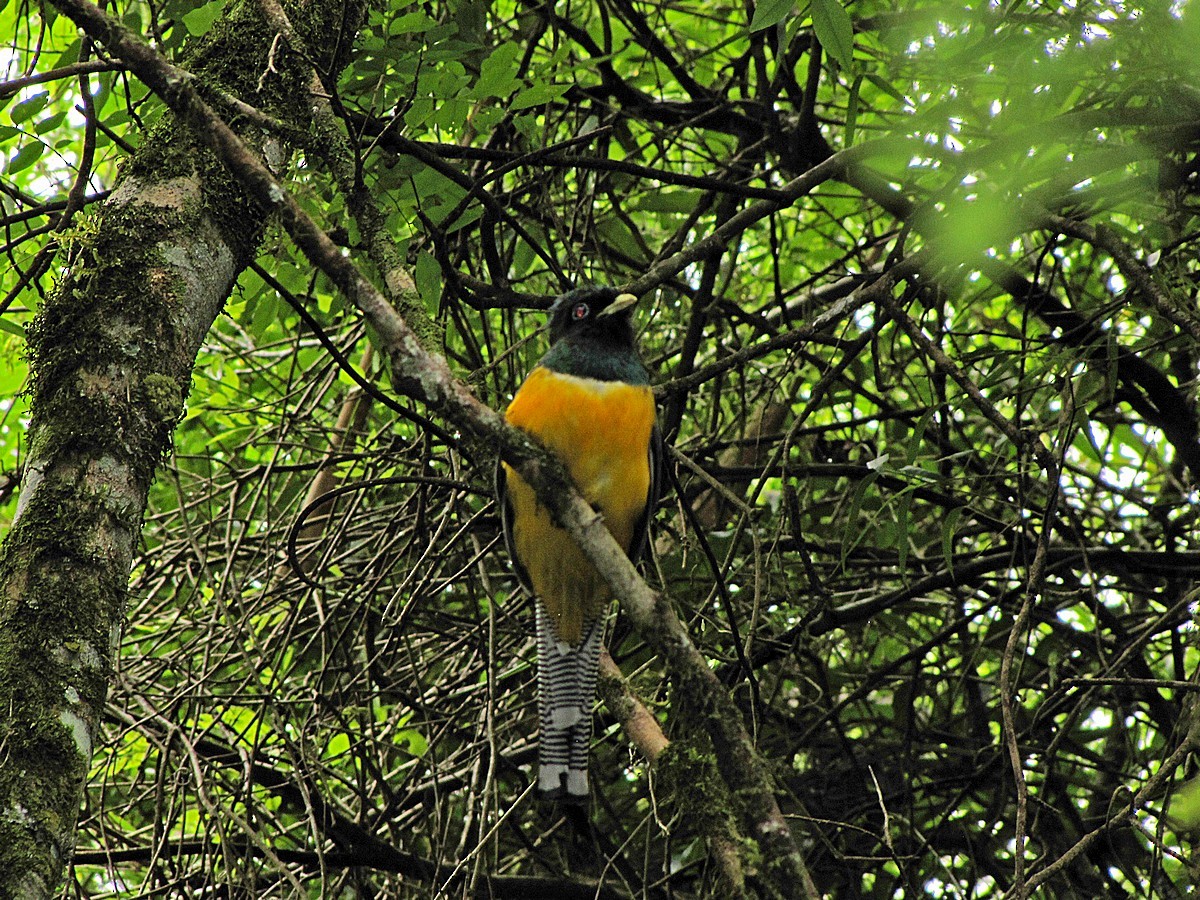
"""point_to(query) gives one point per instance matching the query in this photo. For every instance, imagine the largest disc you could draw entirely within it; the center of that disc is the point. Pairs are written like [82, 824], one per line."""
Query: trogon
[589, 401]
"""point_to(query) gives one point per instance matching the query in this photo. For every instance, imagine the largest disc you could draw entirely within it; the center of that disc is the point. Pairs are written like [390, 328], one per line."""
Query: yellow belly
[601, 431]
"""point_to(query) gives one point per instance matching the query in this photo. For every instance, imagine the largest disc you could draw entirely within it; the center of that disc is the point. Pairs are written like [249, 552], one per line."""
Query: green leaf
[852, 112]
[132, 19]
[770, 12]
[413, 741]
[410, 23]
[50, 122]
[338, 745]
[201, 19]
[420, 110]
[886, 86]
[1185, 804]
[266, 313]
[69, 54]
[855, 531]
[12, 327]
[497, 74]
[834, 30]
[538, 95]
[470, 214]
[428, 276]
[903, 513]
[29, 107]
[25, 157]
[969, 225]
[618, 233]
[948, 526]
[674, 200]
[918, 435]
[523, 258]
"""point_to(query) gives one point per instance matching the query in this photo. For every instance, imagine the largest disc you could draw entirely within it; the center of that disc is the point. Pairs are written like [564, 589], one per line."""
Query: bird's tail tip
[560, 782]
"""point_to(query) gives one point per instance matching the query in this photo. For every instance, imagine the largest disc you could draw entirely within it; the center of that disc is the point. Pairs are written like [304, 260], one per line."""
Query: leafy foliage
[941, 549]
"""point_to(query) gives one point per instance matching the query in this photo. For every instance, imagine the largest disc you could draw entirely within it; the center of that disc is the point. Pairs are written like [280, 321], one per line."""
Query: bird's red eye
[580, 312]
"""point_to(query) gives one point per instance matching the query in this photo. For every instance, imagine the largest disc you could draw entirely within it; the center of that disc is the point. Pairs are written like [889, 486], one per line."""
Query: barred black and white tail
[566, 690]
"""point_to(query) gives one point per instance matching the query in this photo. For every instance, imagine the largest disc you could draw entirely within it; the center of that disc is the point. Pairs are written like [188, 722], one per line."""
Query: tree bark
[112, 354]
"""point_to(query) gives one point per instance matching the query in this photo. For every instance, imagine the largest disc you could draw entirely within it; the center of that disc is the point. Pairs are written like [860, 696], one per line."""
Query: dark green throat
[595, 359]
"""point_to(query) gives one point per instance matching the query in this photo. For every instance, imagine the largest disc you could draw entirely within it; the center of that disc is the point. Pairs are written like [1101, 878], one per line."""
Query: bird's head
[593, 313]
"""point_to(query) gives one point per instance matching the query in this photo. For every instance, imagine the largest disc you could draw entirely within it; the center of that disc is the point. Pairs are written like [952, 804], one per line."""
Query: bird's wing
[506, 523]
[641, 530]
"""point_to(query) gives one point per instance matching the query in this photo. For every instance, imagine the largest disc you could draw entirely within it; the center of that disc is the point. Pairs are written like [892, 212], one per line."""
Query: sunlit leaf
[834, 30]
[201, 19]
[29, 153]
[770, 12]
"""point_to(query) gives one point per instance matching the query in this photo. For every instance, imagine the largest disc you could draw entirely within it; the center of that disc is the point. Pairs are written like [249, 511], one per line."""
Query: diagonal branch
[427, 376]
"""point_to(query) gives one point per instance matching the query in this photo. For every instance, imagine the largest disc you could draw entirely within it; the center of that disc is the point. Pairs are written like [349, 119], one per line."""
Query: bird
[589, 401]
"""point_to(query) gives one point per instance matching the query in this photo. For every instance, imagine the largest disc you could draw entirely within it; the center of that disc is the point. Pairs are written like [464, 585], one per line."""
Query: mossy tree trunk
[112, 354]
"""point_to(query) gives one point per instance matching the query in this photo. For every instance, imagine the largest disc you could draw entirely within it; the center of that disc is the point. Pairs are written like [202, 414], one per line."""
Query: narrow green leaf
[12, 327]
[855, 530]
[1085, 443]
[903, 514]
[788, 34]
[886, 86]
[770, 12]
[834, 30]
[918, 435]
[949, 524]
[852, 111]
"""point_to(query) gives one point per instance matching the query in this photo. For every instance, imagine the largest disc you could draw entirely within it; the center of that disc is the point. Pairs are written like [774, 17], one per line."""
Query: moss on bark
[111, 353]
